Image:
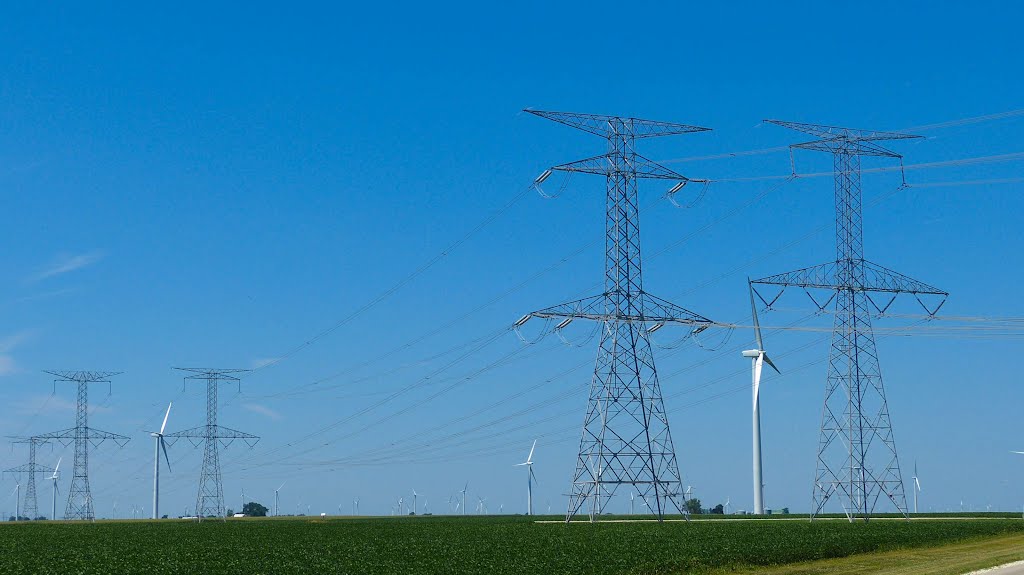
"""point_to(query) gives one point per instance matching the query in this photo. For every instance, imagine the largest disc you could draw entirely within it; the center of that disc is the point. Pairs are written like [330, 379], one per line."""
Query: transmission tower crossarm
[203, 432]
[89, 433]
[604, 126]
[652, 310]
[29, 468]
[608, 164]
[851, 147]
[826, 132]
[82, 376]
[874, 278]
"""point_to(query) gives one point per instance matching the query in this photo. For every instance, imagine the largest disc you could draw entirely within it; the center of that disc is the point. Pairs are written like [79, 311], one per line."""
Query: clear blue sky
[210, 186]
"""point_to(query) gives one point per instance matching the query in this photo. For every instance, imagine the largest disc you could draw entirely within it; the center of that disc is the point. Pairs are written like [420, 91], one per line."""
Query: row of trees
[693, 506]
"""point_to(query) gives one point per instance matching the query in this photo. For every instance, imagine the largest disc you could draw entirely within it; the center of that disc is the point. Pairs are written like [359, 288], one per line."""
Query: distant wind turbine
[17, 499]
[529, 478]
[277, 500]
[54, 477]
[415, 497]
[758, 358]
[158, 446]
[464, 498]
[916, 487]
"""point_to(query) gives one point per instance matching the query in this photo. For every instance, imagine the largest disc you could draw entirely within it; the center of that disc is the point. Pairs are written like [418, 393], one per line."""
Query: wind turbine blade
[753, 313]
[279, 488]
[534, 476]
[1018, 452]
[769, 362]
[56, 469]
[529, 457]
[167, 458]
[166, 415]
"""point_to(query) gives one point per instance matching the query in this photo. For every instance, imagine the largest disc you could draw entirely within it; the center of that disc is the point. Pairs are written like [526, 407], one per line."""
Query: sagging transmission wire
[922, 128]
[419, 383]
[496, 448]
[542, 403]
[401, 283]
[434, 450]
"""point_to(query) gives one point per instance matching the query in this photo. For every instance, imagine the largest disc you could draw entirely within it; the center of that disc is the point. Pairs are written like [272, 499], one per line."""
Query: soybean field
[456, 545]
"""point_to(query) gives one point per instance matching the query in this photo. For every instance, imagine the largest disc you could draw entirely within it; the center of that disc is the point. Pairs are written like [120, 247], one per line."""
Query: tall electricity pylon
[857, 458]
[80, 505]
[31, 508]
[626, 437]
[210, 498]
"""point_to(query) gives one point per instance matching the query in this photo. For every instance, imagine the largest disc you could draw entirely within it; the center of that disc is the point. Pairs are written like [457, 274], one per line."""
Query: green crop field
[489, 545]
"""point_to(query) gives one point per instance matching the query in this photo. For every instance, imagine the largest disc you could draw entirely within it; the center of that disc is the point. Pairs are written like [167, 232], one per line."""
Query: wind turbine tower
[210, 498]
[80, 503]
[54, 478]
[464, 497]
[758, 358]
[626, 438]
[277, 500]
[158, 438]
[529, 478]
[916, 487]
[857, 460]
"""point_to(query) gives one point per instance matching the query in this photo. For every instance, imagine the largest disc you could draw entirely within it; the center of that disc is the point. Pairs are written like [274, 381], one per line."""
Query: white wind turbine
[758, 358]
[277, 500]
[916, 487]
[727, 502]
[529, 478]
[17, 499]
[159, 445]
[54, 477]
[464, 498]
[415, 497]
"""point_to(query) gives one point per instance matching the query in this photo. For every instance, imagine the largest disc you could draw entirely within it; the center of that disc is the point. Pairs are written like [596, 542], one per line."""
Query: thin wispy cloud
[262, 410]
[264, 362]
[67, 263]
[7, 344]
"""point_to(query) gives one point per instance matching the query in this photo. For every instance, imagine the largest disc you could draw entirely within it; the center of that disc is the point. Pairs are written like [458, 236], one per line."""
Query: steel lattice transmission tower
[857, 459]
[210, 498]
[625, 437]
[80, 504]
[31, 507]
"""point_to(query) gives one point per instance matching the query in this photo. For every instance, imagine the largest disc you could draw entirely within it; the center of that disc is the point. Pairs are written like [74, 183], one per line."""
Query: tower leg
[626, 438]
[857, 459]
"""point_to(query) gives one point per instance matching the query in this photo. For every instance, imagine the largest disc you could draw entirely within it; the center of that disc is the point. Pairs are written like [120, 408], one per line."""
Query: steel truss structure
[210, 497]
[625, 439]
[31, 507]
[80, 504]
[857, 459]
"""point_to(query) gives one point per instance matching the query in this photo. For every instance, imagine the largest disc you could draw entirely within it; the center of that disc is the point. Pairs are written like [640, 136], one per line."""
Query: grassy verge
[952, 559]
